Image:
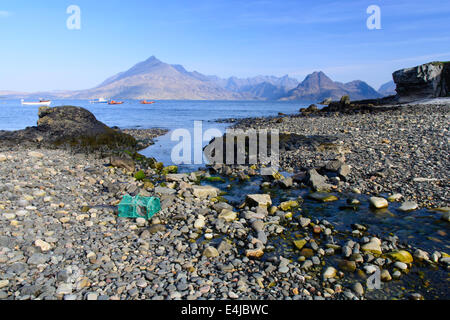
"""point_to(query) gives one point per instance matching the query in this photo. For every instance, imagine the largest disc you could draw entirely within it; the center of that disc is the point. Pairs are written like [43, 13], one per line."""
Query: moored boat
[147, 102]
[36, 103]
[99, 100]
[115, 102]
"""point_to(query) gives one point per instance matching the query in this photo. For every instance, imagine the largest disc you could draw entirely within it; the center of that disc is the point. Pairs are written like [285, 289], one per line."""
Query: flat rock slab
[204, 192]
[408, 206]
[164, 190]
[262, 200]
[177, 177]
[379, 203]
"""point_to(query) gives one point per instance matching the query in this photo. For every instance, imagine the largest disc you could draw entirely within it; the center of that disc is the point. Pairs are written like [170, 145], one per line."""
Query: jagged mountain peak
[317, 76]
[145, 66]
[316, 80]
[318, 86]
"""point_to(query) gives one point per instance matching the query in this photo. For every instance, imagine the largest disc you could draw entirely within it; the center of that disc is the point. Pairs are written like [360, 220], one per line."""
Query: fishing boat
[115, 102]
[147, 102]
[99, 100]
[39, 103]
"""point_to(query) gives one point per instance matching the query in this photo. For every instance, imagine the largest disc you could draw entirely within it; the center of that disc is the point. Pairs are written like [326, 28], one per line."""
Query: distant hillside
[318, 86]
[11, 94]
[36, 95]
[260, 87]
[388, 89]
[236, 84]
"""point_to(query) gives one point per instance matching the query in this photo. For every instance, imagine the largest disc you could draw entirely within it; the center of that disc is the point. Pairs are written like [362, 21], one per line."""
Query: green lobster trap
[138, 207]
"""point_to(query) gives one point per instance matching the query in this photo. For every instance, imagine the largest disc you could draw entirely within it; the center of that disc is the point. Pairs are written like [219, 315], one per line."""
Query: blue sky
[221, 37]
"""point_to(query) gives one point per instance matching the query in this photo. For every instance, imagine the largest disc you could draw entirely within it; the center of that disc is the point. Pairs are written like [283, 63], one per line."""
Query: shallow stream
[421, 229]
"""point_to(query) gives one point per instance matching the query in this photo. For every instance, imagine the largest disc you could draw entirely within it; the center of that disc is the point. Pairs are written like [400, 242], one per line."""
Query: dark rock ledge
[71, 127]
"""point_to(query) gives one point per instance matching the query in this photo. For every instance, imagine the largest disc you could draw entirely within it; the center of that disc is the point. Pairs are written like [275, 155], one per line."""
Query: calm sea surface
[163, 114]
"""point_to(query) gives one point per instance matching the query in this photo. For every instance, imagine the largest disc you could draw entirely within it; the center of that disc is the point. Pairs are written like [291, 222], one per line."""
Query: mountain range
[154, 79]
[318, 86]
[388, 89]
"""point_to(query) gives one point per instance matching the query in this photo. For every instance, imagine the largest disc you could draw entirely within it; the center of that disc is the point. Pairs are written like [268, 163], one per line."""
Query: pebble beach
[403, 151]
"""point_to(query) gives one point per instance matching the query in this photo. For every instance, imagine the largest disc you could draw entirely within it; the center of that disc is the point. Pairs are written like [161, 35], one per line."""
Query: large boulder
[429, 80]
[203, 192]
[70, 126]
[286, 142]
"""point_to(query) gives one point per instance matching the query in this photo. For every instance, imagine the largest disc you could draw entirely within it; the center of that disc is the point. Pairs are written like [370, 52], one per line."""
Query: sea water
[167, 114]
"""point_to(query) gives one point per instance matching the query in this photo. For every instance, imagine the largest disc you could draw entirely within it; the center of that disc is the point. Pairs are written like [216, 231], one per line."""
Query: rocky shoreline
[145, 137]
[61, 238]
[397, 150]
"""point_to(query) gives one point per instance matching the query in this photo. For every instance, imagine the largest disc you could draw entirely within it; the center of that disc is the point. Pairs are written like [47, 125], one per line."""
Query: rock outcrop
[429, 80]
[218, 148]
[70, 126]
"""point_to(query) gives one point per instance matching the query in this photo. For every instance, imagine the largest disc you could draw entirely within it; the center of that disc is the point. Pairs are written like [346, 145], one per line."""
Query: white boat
[99, 100]
[39, 103]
